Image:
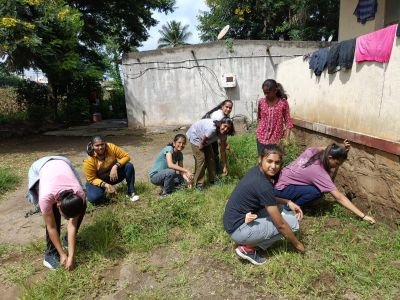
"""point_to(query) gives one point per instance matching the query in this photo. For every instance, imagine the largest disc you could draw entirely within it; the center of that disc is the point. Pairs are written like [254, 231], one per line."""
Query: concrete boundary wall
[178, 86]
[364, 99]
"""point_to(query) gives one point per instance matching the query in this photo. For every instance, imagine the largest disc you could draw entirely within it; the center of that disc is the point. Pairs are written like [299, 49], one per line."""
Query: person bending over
[309, 176]
[55, 186]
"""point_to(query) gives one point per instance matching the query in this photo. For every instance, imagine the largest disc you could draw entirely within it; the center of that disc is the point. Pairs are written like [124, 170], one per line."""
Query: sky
[186, 12]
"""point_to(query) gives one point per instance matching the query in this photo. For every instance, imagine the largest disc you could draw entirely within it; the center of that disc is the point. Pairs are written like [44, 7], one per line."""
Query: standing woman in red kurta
[274, 122]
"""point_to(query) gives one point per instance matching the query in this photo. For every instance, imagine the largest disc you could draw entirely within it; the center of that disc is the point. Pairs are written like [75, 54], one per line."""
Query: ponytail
[272, 84]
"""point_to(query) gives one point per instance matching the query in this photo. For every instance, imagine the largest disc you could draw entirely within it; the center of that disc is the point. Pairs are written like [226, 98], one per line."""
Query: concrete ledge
[356, 137]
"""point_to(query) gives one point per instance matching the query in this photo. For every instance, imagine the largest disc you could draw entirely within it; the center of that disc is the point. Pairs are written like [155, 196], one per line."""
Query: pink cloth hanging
[376, 46]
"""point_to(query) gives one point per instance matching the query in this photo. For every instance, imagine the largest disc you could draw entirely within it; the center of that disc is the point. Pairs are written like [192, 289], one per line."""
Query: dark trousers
[215, 147]
[299, 194]
[50, 249]
[95, 194]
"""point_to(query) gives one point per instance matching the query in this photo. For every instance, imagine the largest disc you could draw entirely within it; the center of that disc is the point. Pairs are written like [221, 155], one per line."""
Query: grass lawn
[177, 249]
[8, 180]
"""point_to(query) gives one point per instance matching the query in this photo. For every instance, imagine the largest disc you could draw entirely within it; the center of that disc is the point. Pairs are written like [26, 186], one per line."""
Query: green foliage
[8, 180]
[35, 98]
[173, 34]
[116, 101]
[242, 154]
[270, 19]
[7, 79]
[13, 118]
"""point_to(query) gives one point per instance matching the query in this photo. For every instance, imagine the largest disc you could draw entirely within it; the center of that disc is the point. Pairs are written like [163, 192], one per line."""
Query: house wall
[363, 100]
[179, 85]
[348, 25]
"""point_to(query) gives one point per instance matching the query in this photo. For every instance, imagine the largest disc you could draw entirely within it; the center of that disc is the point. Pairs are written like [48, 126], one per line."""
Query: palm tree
[173, 34]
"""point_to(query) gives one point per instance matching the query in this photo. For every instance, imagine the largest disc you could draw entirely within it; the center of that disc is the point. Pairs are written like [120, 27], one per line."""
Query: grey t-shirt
[201, 129]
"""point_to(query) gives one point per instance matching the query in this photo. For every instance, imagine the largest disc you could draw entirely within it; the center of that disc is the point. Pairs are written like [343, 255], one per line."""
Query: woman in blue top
[167, 170]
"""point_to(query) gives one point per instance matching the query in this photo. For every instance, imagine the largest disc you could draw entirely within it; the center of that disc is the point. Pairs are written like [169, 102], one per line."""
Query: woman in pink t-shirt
[309, 176]
[60, 193]
[274, 122]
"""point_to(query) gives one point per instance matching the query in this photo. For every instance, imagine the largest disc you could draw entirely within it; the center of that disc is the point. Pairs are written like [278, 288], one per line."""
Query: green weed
[8, 180]
[345, 258]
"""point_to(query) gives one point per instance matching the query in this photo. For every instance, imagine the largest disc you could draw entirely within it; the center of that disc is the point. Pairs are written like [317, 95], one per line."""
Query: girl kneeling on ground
[106, 165]
[167, 170]
[308, 177]
[252, 217]
[201, 135]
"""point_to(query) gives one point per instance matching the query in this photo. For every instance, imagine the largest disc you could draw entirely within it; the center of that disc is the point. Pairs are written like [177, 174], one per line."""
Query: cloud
[186, 12]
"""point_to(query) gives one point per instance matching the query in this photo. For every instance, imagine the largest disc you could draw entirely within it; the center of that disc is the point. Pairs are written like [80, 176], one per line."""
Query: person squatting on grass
[309, 176]
[273, 116]
[106, 165]
[201, 135]
[252, 217]
[55, 186]
[219, 112]
[167, 170]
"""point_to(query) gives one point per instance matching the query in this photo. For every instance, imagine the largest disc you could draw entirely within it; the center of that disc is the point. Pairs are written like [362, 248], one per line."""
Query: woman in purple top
[309, 176]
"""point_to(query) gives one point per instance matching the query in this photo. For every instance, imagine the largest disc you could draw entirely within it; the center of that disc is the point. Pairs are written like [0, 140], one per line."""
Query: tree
[270, 19]
[65, 38]
[173, 34]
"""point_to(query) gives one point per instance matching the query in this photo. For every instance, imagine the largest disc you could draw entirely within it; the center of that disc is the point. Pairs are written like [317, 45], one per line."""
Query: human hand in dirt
[69, 264]
[300, 248]
[250, 217]
[346, 145]
[296, 209]
[369, 219]
[63, 259]
[188, 177]
[225, 171]
[114, 173]
[110, 189]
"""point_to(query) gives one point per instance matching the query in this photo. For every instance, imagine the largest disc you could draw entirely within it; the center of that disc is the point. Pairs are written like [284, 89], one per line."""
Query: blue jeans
[168, 179]
[299, 194]
[95, 194]
[262, 232]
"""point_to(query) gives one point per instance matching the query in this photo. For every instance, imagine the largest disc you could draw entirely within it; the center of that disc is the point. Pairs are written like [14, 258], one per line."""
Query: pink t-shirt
[376, 46]
[55, 177]
[272, 121]
[315, 174]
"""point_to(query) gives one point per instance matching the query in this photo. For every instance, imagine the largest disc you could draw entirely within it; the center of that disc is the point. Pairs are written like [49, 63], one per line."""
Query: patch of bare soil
[201, 277]
[20, 153]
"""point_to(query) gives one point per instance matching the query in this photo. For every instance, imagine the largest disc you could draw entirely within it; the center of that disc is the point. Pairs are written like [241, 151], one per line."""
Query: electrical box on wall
[228, 80]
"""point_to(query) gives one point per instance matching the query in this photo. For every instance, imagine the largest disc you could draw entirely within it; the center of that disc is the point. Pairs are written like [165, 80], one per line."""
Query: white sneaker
[133, 197]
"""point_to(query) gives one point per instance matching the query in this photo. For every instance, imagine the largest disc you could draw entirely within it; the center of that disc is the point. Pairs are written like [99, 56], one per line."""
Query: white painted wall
[177, 86]
[365, 99]
[349, 27]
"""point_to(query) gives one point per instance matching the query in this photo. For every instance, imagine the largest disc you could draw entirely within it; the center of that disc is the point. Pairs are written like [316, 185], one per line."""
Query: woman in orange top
[106, 165]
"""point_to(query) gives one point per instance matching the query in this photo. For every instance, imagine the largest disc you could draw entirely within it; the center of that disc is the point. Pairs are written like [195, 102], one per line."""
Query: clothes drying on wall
[366, 10]
[341, 55]
[319, 60]
[376, 46]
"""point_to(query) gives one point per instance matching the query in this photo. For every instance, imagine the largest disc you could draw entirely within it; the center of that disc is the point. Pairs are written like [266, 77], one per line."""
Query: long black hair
[225, 120]
[177, 137]
[272, 84]
[272, 149]
[333, 150]
[219, 106]
[93, 139]
[71, 204]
